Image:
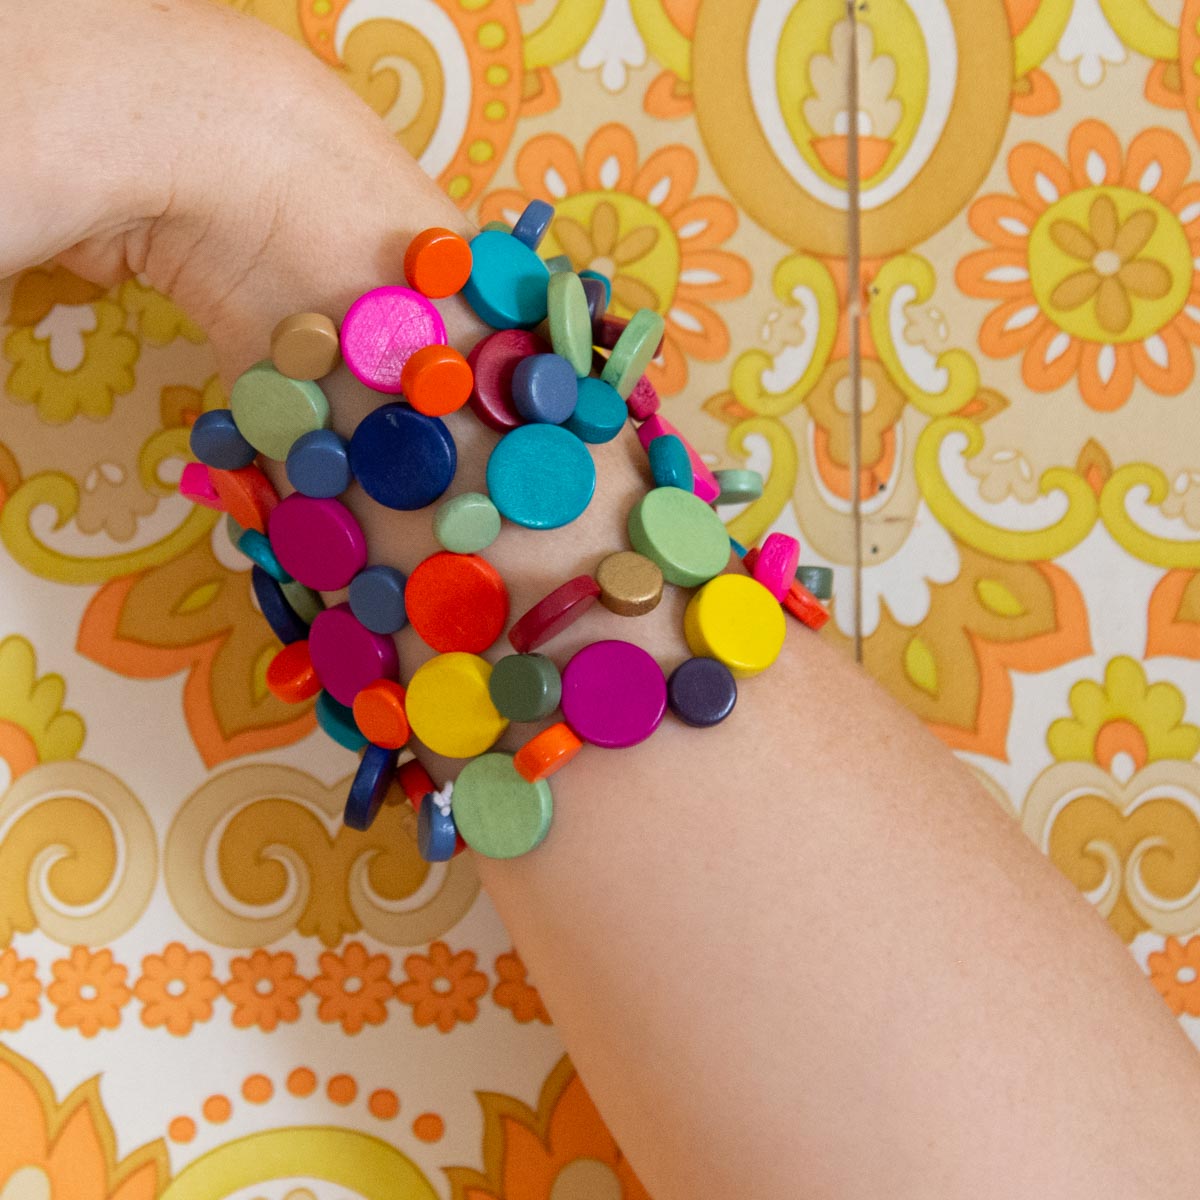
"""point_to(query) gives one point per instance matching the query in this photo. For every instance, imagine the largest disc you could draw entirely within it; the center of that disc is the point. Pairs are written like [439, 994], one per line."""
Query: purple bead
[545, 388]
[613, 694]
[702, 692]
[597, 297]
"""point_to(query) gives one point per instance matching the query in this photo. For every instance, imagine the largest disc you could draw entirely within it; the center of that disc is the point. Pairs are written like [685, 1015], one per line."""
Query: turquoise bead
[541, 476]
[338, 722]
[257, 548]
[599, 412]
[508, 282]
[670, 463]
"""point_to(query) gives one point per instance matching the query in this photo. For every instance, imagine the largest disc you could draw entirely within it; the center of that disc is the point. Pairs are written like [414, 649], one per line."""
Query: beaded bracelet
[558, 373]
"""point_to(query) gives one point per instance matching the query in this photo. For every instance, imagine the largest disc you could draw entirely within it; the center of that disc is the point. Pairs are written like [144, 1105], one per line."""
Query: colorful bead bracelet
[558, 373]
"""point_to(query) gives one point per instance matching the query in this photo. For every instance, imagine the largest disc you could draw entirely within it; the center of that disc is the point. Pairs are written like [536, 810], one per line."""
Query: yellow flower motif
[33, 725]
[159, 320]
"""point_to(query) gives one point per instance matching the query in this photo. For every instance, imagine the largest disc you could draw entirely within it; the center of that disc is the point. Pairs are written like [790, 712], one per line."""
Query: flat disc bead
[317, 541]
[525, 687]
[305, 346]
[643, 402]
[456, 602]
[437, 835]
[541, 476]
[507, 285]
[570, 321]
[702, 692]
[217, 442]
[347, 655]
[437, 262]
[436, 380]
[337, 722]
[669, 463]
[379, 714]
[705, 483]
[376, 598]
[634, 350]
[257, 548]
[679, 532]
[402, 458]
[381, 331]
[533, 223]
[450, 708]
[614, 694]
[272, 410]
[498, 813]
[273, 605]
[545, 388]
[196, 485]
[804, 606]
[599, 413]
[735, 619]
[318, 464]
[246, 494]
[493, 362]
[631, 584]
[468, 523]
[553, 613]
[304, 601]
[371, 782]
[818, 580]
[775, 564]
[738, 486]
[291, 676]
[547, 752]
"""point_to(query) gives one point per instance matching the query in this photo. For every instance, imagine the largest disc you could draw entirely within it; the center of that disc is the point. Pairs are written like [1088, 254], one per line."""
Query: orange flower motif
[512, 992]
[88, 990]
[176, 989]
[1093, 264]
[264, 990]
[1176, 973]
[443, 987]
[641, 227]
[19, 990]
[354, 987]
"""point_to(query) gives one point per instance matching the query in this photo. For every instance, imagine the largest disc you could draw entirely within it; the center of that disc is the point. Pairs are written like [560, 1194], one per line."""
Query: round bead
[738, 548]
[544, 388]
[291, 676]
[599, 414]
[449, 707]
[533, 223]
[257, 548]
[304, 601]
[607, 331]
[381, 331]
[493, 361]
[738, 486]
[705, 485]
[614, 694]
[371, 782]
[570, 321]
[402, 458]
[305, 346]
[525, 687]
[495, 227]
[631, 585]
[377, 599]
[775, 564]
[284, 623]
[558, 264]
[546, 753]
[436, 380]
[338, 723]
[669, 463]
[597, 299]
[437, 263]
[347, 655]
[457, 602]
[633, 351]
[468, 523]
[318, 464]
[702, 692]
[379, 714]
[804, 606]
[818, 580]
[246, 495]
[553, 613]
[272, 411]
[437, 835]
[498, 813]
[643, 401]
[679, 532]
[541, 476]
[414, 781]
[738, 621]
[217, 442]
[196, 485]
[318, 541]
[507, 286]
[603, 280]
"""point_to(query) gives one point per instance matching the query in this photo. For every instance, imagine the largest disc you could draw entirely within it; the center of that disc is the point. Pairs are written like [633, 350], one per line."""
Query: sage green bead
[467, 523]
[272, 410]
[818, 580]
[738, 486]
[570, 321]
[499, 813]
[525, 687]
[679, 532]
[305, 603]
[634, 349]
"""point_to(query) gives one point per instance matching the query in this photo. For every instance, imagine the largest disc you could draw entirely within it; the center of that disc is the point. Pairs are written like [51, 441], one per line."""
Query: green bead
[496, 227]
[818, 580]
[304, 601]
[498, 813]
[467, 523]
[570, 321]
[272, 411]
[525, 687]
[634, 349]
[677, 530]
[234, 530]
[738, 486]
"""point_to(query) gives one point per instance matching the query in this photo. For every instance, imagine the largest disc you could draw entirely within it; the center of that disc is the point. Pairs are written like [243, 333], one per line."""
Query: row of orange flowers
[177, 989]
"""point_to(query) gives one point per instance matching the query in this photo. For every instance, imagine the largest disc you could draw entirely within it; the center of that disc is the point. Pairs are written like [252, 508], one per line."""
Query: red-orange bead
[379, 714]
[456, 602]
[415, 782]
[437, 263]
[804, 606]
[247, 495]
[436, 380]
[291, 675]
[551, 750]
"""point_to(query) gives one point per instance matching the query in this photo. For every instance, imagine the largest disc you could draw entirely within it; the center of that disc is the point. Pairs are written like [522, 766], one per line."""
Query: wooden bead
[437, 263]
[597, 300]
[437, 834]
[738, 548]
[735, 619]
[291, 676]
[257, 548]
[305, 346]
[544, 388]
[643, 402]
[533, 223]
[498, 813]
[273, 605]
[558, 264]
[468, 523]
[318, 542]
[246, 495]
[415, 781]
[604, 281]
[382, 329]
[496, 227]
[774, 564]
[738, 486]
[371, 782]
[305, 603]
[804, 606]
[195, 484]
[272, 411]
[217, 442]
[507, 286]
[457, 602]
[818, 580]
[493, 362]
[546, 753]
[318, 464]
[541, 476]
[631, 584]
[607, 330]
[347, 655]
[525, 687]
[614, 694]
[599, 414]
[402, 458]
[449, 706]
[376, 598]
[337, 721]
[379, 714]
[669, 463]
[633, 351]
[705, 485]
[679, 532]
[553, 613]
[702, 692]
[570, 321]
[436, 380]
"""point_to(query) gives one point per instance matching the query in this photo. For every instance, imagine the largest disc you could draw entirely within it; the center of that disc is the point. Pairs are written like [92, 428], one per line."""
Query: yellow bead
[450, 708]
[735, 619]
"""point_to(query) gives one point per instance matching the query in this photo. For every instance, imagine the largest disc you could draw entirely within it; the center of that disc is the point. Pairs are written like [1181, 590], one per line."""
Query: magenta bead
[382, 330]
[196, 484]
[643, 401]
[775, 566]
[347, 655]
[317, 542]
[705, 485]
[613, 694]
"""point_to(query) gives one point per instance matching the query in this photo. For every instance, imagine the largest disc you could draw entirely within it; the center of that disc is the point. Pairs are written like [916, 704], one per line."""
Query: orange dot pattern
[342, 1089]
[383, 1104]
[258, 1089]
[217, 1109]
[301, 1082]
[181, 1129]
[429, 1127]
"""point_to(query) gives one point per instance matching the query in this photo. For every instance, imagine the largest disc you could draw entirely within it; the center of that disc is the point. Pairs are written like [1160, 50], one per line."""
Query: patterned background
[197, 1005]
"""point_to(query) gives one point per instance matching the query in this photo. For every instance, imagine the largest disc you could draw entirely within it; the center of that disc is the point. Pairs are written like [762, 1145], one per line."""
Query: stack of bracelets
[547, 397]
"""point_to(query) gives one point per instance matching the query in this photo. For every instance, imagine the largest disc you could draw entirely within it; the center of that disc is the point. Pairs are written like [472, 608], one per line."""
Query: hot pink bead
[776, 562]
[347, 655]
[317, 542]
[614, 694]
[196, 484]
[643, 401]
[705, 486]
[382, 330]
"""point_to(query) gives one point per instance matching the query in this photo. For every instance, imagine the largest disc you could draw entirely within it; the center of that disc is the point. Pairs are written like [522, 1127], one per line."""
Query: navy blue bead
[588, 273]
[402, 458]
[818, 580]
[738, 548]
[670, 463]
[338, 722]
[318, 464]
[257, 548]
[533, 223]
[545, 388]
[702, 692]
[284, 623]
[599, 414]
[377, 599]
[437, 835]
[596, 293]
[371, 782]
[216, 442]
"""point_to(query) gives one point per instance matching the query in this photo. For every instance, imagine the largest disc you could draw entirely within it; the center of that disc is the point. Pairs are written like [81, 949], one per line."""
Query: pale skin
[803, 955]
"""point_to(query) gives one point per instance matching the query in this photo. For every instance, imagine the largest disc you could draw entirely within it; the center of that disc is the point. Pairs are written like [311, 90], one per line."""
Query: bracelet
[558, 373]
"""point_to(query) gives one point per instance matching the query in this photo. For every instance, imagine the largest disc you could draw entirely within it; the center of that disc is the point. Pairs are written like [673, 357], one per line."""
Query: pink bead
[705, 486]
[317, 542]
[643, 401]
[382, 330]
[196, 484]
[775, 564]
[613, 694]
[347, 655]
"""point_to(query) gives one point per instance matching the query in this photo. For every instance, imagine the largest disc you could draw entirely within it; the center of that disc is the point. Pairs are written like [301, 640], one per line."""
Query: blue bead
[588, 273]
[216, 442]
[545, 388]
[596, 293]
[533, 223]
[670, 463]
[284, 623]
[702, 692]
[437, 835]
[318, 464]
[507, 285]
[541, 476]
[371, 782]
[377, 599]
[738, 548]
[402, 458]
[338, 723]
[599, 412]
[257, 548]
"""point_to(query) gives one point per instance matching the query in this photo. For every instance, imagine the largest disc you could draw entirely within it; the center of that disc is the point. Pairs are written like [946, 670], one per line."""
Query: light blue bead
[436, 833]
[599, 414]
[738, 548]
[545, 388]
[670, 463]
[507, 285]
[588, 273]
[541, 476]
[338, 722]
[377, 599]
[371, 782]
[318, 464]
[533, 223]
[257, 548]
[216, 442]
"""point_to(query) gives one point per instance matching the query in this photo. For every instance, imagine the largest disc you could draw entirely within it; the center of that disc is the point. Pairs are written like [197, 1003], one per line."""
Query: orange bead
[551, 750]
[456, 602]
[804, 606]
[379, 714]
[247, 495]
[291, 675]
[415, 782]
[437, 263]
[436, 380]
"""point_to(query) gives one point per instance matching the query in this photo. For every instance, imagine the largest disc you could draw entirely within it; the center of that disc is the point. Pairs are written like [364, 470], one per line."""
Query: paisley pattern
[960, 301]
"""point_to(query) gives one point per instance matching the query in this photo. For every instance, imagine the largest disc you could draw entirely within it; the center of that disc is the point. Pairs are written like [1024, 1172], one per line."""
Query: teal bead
[557, 264]
[738, 548]
[338, 722]
[599, 412]
[272, 410]
[257, 548]
[670, 463]
[634, 349]
[525, 687]
[468, 523]
[570, 321]
[496, 227]
[738, 486]
[818, 580]
[679, 532]
[541, 476]
[498, 812]
[507, 285]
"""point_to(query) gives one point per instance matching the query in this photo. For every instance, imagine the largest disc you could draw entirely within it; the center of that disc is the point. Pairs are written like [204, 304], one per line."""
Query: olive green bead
[679, 532]
[305, 603]
[570, 321]
[272, 411]
[818, 580]
[467, 523]
[738, 486]
[525, 687]
[634, 349]
[498, 813]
